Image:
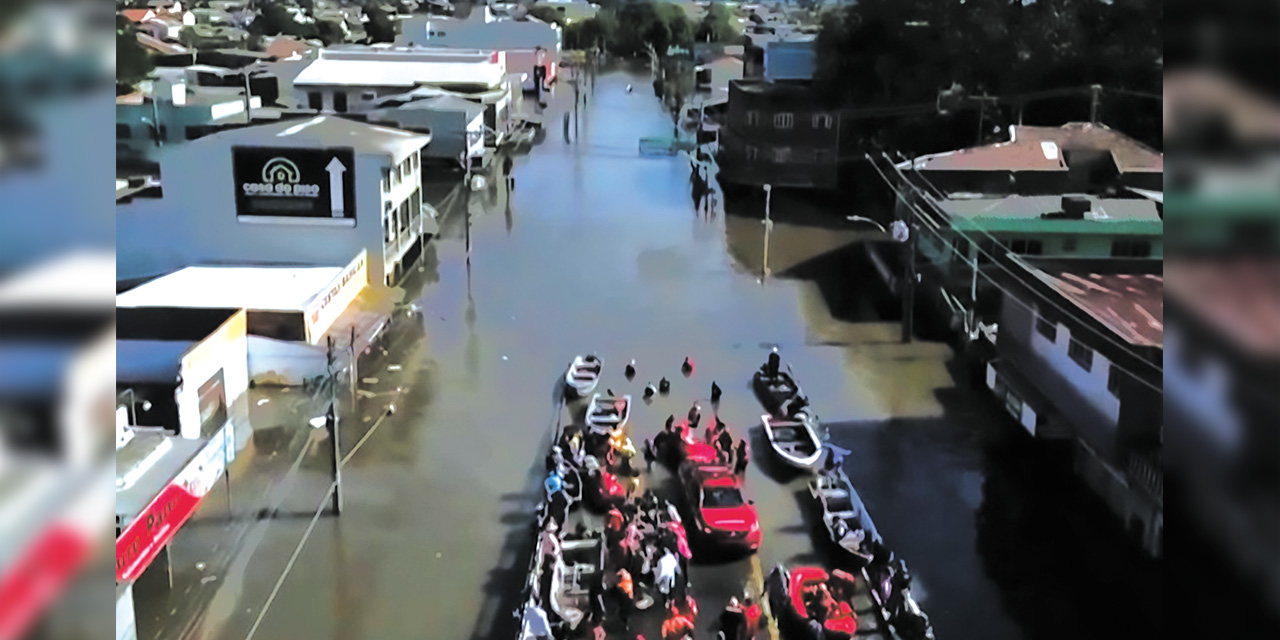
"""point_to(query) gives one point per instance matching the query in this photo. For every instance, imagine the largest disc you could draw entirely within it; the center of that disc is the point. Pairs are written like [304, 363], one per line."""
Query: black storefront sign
[281, 182]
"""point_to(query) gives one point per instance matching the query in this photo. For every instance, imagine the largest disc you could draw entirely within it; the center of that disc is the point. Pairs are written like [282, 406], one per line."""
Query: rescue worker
[753, 613]
[624, 591]
[677, 626]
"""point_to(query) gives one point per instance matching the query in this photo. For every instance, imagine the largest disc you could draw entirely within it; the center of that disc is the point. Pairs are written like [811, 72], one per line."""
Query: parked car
[718, 512]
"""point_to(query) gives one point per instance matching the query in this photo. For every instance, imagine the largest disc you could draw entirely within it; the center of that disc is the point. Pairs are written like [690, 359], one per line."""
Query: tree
[275, 19]
[381, 27]
[717, 25]
[133, 63]
[547, 14]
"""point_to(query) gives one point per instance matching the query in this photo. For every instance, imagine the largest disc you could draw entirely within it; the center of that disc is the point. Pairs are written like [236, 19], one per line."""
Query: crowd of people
[673, 442]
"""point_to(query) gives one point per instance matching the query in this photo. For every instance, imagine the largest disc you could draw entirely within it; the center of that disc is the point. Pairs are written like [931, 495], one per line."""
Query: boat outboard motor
[797, 405]
[775, 363]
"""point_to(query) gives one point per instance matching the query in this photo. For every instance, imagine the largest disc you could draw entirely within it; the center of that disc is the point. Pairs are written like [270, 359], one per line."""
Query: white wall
[196, 221]
[226, 349]
[1092, 384]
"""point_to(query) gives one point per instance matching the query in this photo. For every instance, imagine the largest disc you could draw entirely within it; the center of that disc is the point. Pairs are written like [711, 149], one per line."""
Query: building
[1077, 157]
[1220, 373]
[777, 132]
[1080, 190]
[294, 315]
[532, 47]
[336, 188]
[181, 369]
[1080, 352]
[456, 126]
[360, 78]
[177, 108]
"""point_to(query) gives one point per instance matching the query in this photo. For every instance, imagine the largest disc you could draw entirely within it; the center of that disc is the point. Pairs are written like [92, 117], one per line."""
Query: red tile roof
[1239, 297]
[1131, 305]
[137, 15]
[1040, 149]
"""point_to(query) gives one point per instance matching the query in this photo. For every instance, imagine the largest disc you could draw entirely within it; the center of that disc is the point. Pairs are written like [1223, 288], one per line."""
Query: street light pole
[909, 290]
[768, 226]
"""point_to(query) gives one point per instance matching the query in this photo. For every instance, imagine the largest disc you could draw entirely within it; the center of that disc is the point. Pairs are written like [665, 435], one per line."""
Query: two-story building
[174, 106]
[357, 78]
[776, 130]
[1080, 352]
[314, 191]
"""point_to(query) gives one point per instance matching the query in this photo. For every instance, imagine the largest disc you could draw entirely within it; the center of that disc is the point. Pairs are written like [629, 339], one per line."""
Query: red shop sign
[143, 539]
[38, 577]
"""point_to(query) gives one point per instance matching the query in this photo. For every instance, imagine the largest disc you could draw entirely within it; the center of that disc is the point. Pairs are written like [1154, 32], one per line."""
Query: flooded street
[599, 250]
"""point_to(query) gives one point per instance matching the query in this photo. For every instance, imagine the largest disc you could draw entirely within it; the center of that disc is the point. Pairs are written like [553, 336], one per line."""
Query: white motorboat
[583, 375]
[608, 414]
[795, 441]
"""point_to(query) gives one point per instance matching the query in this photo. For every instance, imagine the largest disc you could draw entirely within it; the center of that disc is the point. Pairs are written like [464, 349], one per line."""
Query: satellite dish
[899, 231]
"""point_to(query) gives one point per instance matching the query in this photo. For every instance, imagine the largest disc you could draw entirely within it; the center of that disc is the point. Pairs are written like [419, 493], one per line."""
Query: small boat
[845, 517]
[791, 595]
[775, 390]
[795, 441]
[583, 375]
[608, 414]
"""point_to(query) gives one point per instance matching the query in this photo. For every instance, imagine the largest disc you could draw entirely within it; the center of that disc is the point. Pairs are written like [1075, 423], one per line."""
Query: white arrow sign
[336, 195]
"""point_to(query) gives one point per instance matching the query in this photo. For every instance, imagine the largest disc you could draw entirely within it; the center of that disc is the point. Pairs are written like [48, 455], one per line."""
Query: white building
[301, 192]
[531, 47]
[357, 78]
[456, 125]
[572, 10]
[292, 313]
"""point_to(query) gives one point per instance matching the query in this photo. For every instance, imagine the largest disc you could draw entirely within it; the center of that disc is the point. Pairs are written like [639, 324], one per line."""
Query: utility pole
[331, 426]
[909, 280]
[1096, 93]
[248, 97]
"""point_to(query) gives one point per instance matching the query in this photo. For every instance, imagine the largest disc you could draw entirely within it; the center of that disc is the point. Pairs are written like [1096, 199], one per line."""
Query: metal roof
[1019, 213]
[1239, 297]
[1041, 149]
[1129, 304]
[324, 131]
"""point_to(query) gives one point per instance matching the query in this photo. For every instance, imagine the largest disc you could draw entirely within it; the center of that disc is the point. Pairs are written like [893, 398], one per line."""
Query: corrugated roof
[399, 73]
[325, 131]
[1026, 213]
[1239, 297]
[1041, 149]
[446, 103]
[1130, 304]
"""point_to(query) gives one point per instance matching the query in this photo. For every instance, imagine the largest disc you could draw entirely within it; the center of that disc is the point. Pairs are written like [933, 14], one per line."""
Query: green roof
[1026, 214]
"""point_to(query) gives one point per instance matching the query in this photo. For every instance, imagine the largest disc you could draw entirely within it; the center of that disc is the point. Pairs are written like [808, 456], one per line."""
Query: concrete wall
[283, 362]
[196, 221]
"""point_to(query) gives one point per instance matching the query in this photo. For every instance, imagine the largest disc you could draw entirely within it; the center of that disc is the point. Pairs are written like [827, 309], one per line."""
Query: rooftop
[253, 288]
[325, 131]
[81, 279]
[1129, 304]
[1238, 297]
[1037, 213]
[1193, 95]
[403, 67]
[1041, 149]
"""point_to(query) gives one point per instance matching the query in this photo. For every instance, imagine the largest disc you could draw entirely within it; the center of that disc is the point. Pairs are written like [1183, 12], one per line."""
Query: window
[386, 179]
[340, 102]
[753, 118]
[782, 154]
[123, 132]
[1069, 244]
[1047, 328]
[1081, 354]
[822, 121]
[821, 156]
[752, 153]
[1026, 247]
[1130, 249]
[315, 100]
[1113, 380]
[784, 121]
[369, 96]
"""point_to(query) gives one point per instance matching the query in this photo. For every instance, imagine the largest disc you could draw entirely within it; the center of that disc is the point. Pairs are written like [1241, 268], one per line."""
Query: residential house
[339, 187]
[1080, 352]
[531, 47]
[1221, 373]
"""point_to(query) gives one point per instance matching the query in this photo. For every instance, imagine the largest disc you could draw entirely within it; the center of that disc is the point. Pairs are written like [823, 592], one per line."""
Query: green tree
[274, 20]
[547, 14]
[717, 25]
[380, 27]
[133, 62]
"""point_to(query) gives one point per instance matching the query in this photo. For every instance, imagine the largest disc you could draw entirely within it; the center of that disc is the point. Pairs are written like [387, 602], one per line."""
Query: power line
[995, 261]
[1010, 294]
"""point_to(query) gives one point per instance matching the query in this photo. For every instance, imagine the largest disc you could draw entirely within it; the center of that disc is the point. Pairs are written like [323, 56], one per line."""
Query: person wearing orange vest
[625, 592]
[677, 626]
